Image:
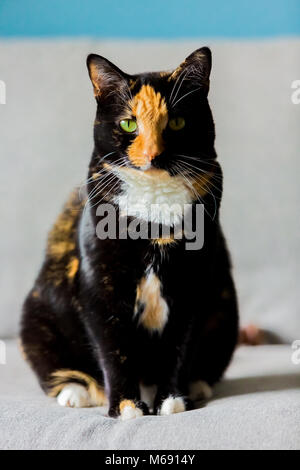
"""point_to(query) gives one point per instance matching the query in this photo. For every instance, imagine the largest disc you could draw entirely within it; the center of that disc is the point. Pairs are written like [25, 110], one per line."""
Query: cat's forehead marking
[149, 106]
[150, 110]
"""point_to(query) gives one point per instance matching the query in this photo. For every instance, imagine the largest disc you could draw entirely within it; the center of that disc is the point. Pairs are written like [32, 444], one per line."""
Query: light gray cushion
[46, 142]
[256, 407]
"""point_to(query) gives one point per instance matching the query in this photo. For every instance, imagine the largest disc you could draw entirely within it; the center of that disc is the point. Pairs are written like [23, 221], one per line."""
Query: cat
[110, 318]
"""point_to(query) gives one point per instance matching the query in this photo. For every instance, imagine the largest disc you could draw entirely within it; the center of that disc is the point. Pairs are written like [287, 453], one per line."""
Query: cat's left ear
[105, 76]
[196, 67]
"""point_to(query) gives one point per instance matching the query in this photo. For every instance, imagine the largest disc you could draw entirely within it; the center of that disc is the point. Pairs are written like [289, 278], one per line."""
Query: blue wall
[150, 19]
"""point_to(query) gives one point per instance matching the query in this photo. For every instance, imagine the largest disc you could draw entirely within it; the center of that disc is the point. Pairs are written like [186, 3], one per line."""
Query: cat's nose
[152, 151]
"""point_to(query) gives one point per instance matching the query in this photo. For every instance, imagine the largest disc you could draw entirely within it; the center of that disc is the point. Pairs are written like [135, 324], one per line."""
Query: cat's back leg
[61, 361]
[52, 337]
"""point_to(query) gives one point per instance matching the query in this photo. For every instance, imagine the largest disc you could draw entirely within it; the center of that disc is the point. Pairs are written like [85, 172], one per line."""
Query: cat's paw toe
[74, 396]
[129, 410]
[199, 390]
[172, 405]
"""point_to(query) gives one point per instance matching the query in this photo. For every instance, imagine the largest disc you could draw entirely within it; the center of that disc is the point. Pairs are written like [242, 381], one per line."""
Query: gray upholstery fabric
[46, 141]
[256, 407]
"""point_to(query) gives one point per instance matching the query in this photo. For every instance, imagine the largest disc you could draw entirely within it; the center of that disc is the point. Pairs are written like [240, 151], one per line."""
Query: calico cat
[108, 317]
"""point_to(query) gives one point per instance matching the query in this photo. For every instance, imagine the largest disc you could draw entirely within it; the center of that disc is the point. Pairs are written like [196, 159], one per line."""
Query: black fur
[87, 324]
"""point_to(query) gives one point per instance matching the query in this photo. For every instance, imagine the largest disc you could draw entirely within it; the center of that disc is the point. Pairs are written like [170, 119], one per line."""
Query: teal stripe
[150, 19]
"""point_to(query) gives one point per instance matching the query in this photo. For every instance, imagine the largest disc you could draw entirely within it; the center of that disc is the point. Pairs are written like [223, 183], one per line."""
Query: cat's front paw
[172, 405]
[129, 409]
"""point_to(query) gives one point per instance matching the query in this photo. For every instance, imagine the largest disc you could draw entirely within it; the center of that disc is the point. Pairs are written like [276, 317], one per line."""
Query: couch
[45, 144]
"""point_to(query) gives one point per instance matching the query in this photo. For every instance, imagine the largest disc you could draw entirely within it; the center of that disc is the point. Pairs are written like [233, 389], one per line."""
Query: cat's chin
[146, 167]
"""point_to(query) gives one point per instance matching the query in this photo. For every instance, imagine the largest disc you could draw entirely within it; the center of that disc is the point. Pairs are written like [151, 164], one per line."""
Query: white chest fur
[152, 195]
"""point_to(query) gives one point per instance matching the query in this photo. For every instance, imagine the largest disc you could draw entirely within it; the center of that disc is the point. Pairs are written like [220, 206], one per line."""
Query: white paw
[130, 413]
[172, 405]
[200, 390]
[74, 395]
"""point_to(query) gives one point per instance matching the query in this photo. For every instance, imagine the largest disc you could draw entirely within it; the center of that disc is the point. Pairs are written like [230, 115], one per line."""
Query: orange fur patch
[132, 83]
[72, 267]
[148, 294]
[201, 184]
[62, 242]
[61, 239]
[163, 241]
[59, 249]
[95, 77]
[124, 403]
[151, 113]
[174, 75]
[62, 377]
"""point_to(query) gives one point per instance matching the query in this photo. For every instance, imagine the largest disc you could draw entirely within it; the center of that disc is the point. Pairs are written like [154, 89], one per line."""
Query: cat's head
[154, 121]
[152, 118]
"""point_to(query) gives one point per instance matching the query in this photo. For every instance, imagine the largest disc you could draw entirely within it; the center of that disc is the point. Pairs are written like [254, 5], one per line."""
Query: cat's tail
[252, 335]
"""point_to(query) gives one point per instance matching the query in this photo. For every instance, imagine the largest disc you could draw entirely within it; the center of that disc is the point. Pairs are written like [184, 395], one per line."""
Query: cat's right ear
[104, 75]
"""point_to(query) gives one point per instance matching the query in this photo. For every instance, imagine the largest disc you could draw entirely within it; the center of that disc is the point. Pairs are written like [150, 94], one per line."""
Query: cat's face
[151, 119]
[154, 123]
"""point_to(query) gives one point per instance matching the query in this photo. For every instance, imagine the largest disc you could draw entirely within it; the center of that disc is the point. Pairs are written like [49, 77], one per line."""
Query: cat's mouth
[158, 163]
[156, 180]
[147, 172]
[146, 167]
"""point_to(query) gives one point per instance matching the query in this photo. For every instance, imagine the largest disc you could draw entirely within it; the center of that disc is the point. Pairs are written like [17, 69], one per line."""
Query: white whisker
[178, 88]
[195, 192]
[192, 91]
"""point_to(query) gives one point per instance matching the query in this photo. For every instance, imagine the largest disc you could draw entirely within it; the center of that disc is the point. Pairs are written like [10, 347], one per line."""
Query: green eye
[128, 125]
[177, 123]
